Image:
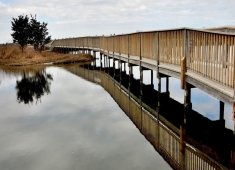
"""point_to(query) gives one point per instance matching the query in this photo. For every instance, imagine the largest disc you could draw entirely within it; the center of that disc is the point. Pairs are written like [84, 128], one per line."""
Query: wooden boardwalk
[202, 58]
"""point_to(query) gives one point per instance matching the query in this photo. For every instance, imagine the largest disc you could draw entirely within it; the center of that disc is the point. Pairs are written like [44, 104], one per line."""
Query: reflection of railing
[164, 136]
[195, 160]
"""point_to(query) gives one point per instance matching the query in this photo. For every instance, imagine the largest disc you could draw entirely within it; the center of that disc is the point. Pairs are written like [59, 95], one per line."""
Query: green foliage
[21, 30]
[30, 31]
[39, 33]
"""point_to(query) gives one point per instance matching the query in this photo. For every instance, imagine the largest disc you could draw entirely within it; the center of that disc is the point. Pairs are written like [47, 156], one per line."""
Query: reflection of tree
[34, 87]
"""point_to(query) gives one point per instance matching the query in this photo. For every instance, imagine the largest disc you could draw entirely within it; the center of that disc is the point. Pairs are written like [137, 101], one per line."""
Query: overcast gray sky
[72, 18]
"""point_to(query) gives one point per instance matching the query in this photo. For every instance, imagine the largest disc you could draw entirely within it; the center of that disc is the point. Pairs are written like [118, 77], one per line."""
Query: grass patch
[11, 55]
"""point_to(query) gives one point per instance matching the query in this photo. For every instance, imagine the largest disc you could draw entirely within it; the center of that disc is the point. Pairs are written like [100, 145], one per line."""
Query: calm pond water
[61, 121]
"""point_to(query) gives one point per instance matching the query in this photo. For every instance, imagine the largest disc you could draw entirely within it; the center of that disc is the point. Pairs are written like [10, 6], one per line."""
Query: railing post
[184, 60]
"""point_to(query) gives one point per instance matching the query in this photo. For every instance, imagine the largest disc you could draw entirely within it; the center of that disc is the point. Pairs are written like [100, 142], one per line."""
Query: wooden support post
[131, 70]
[94, 55]
[130, 76]
[151, 77]
[159, 93]
[104, 62]
[221, 110]
[108, 64]
[187, 98]
[101, 61]
[120, 77]
[114, 68]
[107, 61]
[93, 62]
[141, 82]
[167, 86]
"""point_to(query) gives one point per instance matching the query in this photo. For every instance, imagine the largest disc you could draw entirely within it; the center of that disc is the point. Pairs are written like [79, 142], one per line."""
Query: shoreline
[11, 55]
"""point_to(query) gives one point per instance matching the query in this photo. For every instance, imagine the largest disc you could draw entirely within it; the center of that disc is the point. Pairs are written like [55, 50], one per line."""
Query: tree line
[28, 30]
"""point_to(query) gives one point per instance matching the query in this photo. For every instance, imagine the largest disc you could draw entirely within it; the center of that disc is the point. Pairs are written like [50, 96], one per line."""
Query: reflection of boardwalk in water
[196, 143]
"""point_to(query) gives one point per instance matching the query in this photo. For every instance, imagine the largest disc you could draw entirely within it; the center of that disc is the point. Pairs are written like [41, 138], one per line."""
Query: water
[66, 123]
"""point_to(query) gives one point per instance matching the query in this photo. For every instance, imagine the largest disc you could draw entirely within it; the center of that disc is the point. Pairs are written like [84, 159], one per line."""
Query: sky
[74, 18]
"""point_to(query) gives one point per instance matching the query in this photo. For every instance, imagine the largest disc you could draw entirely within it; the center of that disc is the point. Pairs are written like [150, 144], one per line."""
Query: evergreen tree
[30, 31]
[39, 33]
[21, 30]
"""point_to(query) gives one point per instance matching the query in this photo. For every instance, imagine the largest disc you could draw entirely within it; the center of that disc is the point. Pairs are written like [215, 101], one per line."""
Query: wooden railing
[207, 54]
[212, 55]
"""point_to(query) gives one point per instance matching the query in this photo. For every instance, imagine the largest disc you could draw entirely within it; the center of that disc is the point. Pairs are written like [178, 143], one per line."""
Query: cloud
[98, 17]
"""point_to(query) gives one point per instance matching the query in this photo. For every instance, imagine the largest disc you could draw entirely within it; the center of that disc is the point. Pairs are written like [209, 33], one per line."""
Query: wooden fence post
[184, 60]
